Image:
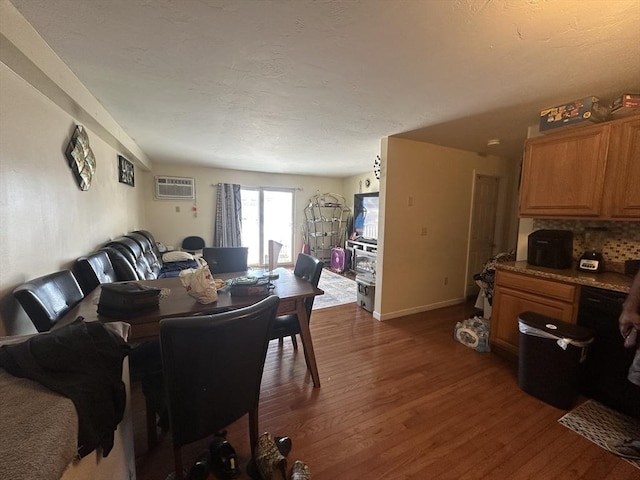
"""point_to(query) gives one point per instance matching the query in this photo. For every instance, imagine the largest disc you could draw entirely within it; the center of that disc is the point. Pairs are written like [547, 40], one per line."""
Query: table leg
[307, 344]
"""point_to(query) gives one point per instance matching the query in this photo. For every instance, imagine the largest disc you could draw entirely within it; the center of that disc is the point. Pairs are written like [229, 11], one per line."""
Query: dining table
[175, 302]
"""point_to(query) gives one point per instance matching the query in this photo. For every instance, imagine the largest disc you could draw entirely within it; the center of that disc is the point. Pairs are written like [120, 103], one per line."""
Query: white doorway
[483, 226]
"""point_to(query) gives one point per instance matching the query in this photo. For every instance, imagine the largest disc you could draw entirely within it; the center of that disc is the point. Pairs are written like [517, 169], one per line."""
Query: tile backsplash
[622, 238]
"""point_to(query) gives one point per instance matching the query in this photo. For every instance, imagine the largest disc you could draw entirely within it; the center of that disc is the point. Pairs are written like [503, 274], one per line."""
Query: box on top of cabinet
[625, 105]
[573, 113]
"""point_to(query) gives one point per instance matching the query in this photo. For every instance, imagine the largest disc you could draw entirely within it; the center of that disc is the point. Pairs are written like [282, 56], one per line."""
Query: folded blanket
[172, 269]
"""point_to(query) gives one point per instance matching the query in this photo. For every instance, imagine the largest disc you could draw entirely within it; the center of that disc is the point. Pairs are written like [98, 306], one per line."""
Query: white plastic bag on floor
[474, 333]
[200, 284]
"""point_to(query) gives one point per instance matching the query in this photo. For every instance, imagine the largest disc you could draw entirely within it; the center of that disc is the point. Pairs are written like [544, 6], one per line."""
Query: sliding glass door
[267, 214]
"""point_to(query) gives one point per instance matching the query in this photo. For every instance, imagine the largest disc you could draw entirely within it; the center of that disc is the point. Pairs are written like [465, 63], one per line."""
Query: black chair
[308, 268]
[192, 244]
[122, 264]
[226, 259]
[148, 251]
[152, 240]
[47, 299]
[132, 250]
[93, 270]
[213, 368]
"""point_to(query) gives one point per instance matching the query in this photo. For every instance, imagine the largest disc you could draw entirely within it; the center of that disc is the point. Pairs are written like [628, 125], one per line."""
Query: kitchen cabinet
[515, 293]
[583, 172]
[622, 187]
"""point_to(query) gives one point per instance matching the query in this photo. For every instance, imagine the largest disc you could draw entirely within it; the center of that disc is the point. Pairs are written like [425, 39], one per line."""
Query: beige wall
[439, 181]
[170, 227]
[47, 221]
[357, 184]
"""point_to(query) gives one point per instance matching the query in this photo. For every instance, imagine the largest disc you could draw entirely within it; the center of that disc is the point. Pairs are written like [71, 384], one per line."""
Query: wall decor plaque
[125, 171]
[80, 157]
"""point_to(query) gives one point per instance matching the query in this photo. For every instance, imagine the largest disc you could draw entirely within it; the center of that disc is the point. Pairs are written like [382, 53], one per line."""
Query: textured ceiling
[311, 87]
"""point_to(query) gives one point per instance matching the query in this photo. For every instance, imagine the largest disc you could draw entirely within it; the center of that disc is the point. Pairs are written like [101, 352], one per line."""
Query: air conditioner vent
[172, 188]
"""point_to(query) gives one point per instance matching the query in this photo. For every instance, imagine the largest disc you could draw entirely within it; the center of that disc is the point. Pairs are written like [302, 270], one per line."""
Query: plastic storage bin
[550, 354]
[366, 294]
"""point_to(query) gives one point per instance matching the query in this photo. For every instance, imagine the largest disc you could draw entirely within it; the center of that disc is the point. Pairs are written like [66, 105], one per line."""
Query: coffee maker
[591, 260]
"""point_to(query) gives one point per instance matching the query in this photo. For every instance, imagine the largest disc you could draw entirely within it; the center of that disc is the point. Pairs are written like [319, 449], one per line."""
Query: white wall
[47, 221]
[170, 227]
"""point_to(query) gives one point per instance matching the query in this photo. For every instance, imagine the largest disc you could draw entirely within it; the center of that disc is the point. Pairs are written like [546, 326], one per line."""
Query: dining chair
[48, 298]
[309, 269]
[192, 244]
[213, 369]
[226, 259]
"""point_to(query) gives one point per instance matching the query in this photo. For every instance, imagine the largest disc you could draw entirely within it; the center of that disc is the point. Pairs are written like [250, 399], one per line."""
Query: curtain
[228, 221]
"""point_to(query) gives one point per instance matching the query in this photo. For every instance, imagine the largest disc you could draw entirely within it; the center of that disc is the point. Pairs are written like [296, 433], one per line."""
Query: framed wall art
[125, 171]
[80, 158]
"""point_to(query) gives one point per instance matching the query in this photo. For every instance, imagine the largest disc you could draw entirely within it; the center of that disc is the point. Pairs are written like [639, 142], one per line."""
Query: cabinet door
[563, 173]
[508, 304]
[623, 173]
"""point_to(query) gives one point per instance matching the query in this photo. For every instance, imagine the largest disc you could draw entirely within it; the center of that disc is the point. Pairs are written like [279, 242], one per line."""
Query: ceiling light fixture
[493, 142]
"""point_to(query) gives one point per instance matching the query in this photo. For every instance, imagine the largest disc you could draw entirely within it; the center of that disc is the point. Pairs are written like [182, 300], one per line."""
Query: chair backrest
[213, 367]
[151, 239]
[308, 268]
[192, 244]
[122, 264]
[133, 252]
[226, 259]
[155, 262]
[94, 269]
[47, 299]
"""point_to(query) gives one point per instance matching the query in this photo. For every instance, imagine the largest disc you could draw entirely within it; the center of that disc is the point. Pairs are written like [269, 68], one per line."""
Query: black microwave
[550, 248]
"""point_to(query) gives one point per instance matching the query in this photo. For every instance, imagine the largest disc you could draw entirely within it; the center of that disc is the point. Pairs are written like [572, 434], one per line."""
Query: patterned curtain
[228, 221]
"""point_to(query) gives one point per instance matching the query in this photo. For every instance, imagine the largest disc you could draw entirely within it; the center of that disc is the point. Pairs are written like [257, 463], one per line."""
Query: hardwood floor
[401, 399]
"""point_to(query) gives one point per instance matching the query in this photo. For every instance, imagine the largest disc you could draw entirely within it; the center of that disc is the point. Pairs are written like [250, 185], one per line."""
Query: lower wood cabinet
[515, 293]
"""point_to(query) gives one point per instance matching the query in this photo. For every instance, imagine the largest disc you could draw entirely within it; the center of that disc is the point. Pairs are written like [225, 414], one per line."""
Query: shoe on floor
[627, 448]
[300, 471]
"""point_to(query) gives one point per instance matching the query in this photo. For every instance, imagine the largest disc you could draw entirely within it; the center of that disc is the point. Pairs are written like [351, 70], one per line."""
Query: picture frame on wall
[126, 173]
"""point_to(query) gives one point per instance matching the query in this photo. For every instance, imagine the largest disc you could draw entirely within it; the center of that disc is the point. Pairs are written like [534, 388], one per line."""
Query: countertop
[607, 280]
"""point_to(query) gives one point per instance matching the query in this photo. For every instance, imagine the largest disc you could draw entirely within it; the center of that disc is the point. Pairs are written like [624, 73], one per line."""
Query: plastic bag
[200, 284]
[474, 333]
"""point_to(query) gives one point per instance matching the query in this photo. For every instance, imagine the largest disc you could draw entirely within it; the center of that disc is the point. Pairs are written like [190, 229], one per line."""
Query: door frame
[476, 175]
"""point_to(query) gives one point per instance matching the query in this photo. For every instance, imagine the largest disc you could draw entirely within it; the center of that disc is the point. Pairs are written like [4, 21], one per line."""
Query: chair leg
[295, 342]
[152, 432]
[177, 458]
[253, 430]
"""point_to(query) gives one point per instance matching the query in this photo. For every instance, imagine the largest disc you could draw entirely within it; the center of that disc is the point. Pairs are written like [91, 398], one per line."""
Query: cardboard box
[625, 105]
[574, 113]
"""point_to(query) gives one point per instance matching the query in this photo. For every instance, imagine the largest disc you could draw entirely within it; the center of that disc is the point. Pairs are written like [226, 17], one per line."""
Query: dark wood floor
[401, 399]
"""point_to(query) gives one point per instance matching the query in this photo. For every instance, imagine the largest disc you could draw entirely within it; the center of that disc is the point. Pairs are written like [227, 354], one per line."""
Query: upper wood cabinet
[622, 186]
[591, 171]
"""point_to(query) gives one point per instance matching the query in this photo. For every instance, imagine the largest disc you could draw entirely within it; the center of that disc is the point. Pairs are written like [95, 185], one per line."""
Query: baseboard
[419, 309]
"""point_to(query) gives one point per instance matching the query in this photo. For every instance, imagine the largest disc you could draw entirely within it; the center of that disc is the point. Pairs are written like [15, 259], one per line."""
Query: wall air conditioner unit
[175, 188]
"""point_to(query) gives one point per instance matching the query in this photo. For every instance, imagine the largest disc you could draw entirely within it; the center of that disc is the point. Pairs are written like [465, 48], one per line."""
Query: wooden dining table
[176, 302]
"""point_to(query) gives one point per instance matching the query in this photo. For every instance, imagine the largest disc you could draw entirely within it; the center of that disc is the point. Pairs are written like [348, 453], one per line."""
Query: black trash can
[550, 354]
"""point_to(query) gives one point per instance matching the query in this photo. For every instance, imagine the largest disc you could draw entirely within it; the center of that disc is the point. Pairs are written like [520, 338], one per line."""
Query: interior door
[483, 225]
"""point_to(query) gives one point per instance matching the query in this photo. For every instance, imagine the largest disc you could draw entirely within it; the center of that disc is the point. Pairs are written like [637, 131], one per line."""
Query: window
[267, 214]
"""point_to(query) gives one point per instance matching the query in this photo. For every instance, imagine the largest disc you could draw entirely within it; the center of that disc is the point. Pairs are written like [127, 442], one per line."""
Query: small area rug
[598, 423]
[337, 290]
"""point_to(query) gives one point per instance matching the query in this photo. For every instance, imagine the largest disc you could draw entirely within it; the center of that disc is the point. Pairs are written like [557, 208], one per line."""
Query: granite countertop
[607, 280]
